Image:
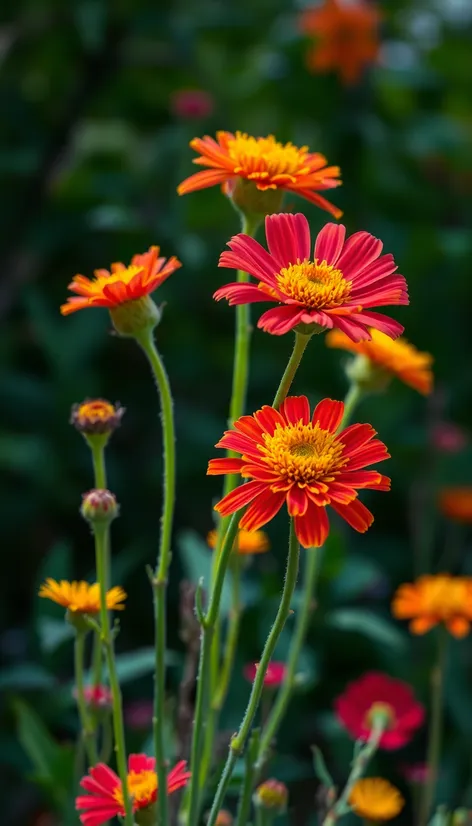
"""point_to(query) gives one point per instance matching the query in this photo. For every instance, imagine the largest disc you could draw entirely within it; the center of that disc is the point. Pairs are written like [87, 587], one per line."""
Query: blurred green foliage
[92, 151]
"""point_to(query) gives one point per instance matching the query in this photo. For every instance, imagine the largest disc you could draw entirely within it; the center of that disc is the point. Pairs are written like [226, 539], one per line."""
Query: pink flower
[415, 773]
[377, 692]
[447, 437]
[274, 676]
[334, 288]
[97, 696]
[138, 714]
[192, 104]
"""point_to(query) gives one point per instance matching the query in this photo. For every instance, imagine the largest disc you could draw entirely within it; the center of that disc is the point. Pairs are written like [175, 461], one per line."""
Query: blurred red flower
[274, 676]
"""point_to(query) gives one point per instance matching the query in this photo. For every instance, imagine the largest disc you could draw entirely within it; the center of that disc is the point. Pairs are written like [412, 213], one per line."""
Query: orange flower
[456, 504]
[81, 597]
[123, 284]
[96, 416]
[246, 542]
[436, 599]
[376, 799]
[398, 358]
[346, 37]
[264, 162]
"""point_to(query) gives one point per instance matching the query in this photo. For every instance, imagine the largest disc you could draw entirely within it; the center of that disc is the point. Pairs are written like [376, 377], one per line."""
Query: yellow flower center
[97, 409]
[142, 787]
[117, 277]
[265, 158]
[316, 284]
[304, 453]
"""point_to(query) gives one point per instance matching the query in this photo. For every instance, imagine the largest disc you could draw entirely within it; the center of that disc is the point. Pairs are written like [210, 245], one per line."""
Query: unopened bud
[224, 818]
[99, 506]
[135, 317]
[368, 375]
[251, 201]
[272, 795]
[96, 417]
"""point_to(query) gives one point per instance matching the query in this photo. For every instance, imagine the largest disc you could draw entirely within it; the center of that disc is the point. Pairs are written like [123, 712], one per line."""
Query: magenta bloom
[274, 676]
[374, 692]
[334, 288]
[97, 696]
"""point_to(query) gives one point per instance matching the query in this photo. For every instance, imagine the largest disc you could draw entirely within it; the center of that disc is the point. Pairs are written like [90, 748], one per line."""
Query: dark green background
[90, 158]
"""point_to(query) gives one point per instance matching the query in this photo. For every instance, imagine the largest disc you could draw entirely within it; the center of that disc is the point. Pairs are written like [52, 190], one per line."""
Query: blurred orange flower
[246, 542]
[346, 37]
[265, 162]
[376, 799]
[398, 357]
[81, 597]
[432, 600]
[456, 504]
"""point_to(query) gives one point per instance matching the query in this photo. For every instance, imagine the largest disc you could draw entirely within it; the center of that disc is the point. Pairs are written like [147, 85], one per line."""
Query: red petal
[312, 529]
[328, 414]
[295, 409]
[202, 180]
[288, 238]
[356, 435]
[248, 255]
[240, 497]
[359, 251]
[218, 466]
[266, 505]
[232, 440]
[372, 453]
[356, 515]
[268, 418]
[297, 501]
[280, 320]
[329, 243]
[241, 294]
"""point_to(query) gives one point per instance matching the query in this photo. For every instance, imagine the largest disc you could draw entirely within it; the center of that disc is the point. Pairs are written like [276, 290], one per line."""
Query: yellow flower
[81, 597]
[396, 357]
[436, 599]
[246, 542]
[376, 799]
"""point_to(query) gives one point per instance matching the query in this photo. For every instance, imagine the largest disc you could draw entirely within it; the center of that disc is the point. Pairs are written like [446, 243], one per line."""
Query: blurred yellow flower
[81, 597]
[432, 600]
[246, 542]
[376, 799]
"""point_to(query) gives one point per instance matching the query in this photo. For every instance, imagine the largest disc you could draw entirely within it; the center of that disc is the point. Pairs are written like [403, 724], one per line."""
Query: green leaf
[33, 735]
[53, 633]
[27, 676]
[369, 624]
[358, 575]
[321, 770]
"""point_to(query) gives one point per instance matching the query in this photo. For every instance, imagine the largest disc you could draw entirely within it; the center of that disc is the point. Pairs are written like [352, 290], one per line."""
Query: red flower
[105, 798]
[373, 692]
[274, 675]
[97, 696]
[332, 289]
[301, 460]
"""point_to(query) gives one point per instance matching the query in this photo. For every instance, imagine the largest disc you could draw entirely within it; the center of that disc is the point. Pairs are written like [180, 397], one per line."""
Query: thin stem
[435, 730]
[244, 805]
[101, 544]
[353, 397]
[238, 741]
[312, 563]
[97, 449]
[164, 558]
[234, 621]
[85, 721]
[341, 806]
[299, 347]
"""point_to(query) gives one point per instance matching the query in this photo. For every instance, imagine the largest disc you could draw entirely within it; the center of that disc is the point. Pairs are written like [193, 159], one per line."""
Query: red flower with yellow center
[375, 693]
[376, 799]
[293, 457]
[456, 504]
[122, 284]
[397, 358]
[246, 542]
[346, 33]
[332, 289]
[432, 600]
[81, 597]
[265, 162]
[104, 800]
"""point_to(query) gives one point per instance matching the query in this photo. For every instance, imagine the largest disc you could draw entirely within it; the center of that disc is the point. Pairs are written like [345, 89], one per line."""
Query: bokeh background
[94, 142]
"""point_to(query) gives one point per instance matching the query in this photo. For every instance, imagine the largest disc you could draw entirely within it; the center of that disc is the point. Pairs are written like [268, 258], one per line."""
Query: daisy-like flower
[299, 459]
[124, 290]
[246, 542]
[376, 799]
[388, 358]
[81, 597]
[433, 600]
[104, 800]
[375, 693]
[334, 288]
[274, 675]
[245, 166]
[96, 416]
[346, 37]
[456, 504]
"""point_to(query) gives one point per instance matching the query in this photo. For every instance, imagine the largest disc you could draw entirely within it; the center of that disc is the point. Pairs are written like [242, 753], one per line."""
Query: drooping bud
[99, 506]
[272, 795]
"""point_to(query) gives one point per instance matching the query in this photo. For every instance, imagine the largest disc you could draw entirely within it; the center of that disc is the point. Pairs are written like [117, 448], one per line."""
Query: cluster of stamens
[317, 285]
[303, 453]
[266, 156]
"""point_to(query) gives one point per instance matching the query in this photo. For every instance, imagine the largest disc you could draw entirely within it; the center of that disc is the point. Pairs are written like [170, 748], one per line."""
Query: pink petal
[280, 320]
[288, 238]
[359, 251]
[241, 294]
[248, 255]
[381, 322]
[379, 268]
[329, 243]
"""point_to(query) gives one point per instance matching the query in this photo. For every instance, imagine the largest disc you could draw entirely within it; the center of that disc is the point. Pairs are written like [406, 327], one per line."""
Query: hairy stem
[85, 721]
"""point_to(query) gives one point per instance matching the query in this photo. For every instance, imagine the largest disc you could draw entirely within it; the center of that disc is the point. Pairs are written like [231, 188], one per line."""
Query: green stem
[341, 806]
[299, 347]
[238, 741]
[146, 341]
[101, 544]
[244, 805]
[353, 397]
[98, 459]
[85, 722]
[312, 560]
[435, 729]
[264, 816]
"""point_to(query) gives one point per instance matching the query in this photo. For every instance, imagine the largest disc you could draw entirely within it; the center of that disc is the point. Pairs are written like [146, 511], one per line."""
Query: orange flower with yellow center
[96, 416]
[376, 799]
[265, 163]
[346, 35]
[81, 597]
[395, 357]
[456, 504]
[433, 600]
[246, 542]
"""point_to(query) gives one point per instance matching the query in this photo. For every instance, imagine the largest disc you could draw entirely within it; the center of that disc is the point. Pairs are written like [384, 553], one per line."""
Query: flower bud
[96, 417]
[146, 816]
[224, 818]
[369, 376]
[99, 506]
[132, 318]
[271, 795]
[251, 201]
